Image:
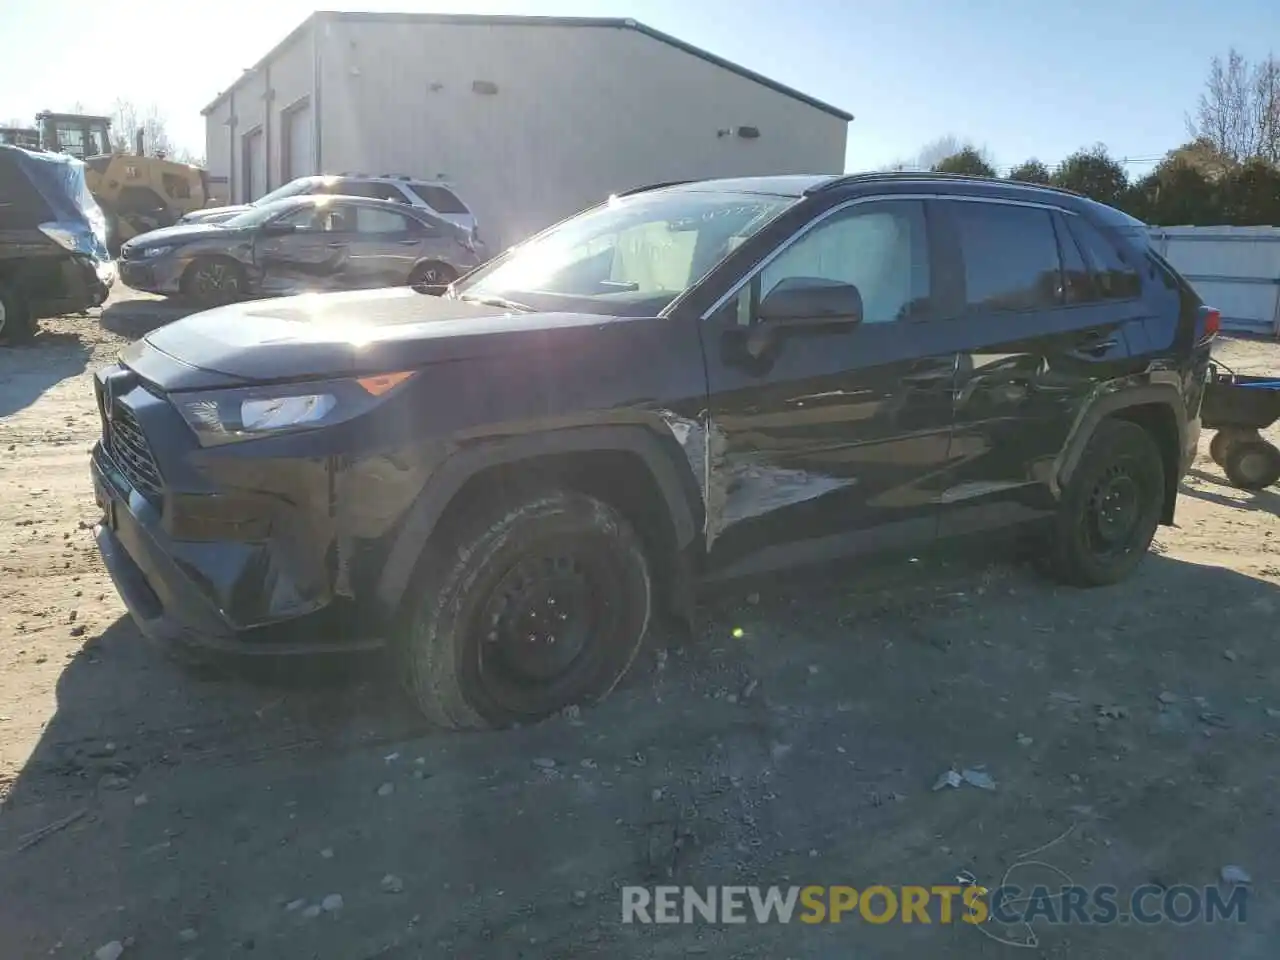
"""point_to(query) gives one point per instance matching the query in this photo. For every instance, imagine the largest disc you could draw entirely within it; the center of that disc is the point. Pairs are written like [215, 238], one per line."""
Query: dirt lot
[212, 813]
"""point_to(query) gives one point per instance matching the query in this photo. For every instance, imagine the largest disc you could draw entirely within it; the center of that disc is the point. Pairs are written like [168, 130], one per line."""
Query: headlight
[225, 416]
[146, 252]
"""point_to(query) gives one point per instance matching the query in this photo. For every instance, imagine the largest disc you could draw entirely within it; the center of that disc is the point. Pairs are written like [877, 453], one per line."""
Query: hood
[214, 214]
[181, 233]
[339, 334]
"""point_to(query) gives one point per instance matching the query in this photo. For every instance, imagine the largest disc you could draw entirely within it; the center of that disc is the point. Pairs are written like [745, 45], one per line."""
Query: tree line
[1228, 172]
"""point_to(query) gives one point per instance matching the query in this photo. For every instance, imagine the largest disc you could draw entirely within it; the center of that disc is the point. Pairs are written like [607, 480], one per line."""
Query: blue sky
[1020, 78]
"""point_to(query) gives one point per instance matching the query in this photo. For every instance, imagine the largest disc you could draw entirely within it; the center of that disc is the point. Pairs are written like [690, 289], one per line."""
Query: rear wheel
[1111, 507]
[15, 318]
[1252, 464]
[526, 609]
[212, 281]
[433, 274]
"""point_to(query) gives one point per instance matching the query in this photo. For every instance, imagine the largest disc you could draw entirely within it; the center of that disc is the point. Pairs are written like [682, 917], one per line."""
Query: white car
[435, 196]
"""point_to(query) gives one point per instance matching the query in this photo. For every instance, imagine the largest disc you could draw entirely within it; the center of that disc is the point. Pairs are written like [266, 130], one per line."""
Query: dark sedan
[300, 245]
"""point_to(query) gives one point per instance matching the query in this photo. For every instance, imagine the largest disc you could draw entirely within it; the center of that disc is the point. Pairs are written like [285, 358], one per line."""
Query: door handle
[335, 246]
[1097, 345]
[407, 243]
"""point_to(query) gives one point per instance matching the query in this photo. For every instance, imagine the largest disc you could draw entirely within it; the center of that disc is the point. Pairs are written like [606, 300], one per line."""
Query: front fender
[670, 472]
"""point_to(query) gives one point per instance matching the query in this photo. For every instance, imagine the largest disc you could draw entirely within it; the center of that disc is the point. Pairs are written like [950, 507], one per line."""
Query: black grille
[128, 449]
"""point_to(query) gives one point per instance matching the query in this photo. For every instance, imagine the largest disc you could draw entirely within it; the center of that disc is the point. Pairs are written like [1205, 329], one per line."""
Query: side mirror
[278, 229]
[811, 301]
[803, 303]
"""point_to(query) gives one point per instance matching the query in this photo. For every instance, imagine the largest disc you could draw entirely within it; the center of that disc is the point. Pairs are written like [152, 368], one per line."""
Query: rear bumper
[167, 605]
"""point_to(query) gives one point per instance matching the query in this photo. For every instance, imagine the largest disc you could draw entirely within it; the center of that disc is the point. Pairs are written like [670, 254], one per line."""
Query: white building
[532, 118]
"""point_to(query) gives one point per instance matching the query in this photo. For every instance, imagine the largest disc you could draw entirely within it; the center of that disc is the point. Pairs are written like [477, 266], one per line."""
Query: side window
[881, 248]
[1010, 256]
[373, 220]
[304, 218]
[1077, 282]
[1115, 279]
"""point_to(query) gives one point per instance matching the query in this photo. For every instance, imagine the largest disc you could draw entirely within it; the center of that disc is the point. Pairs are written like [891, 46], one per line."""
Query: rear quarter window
[439, 199]
[1114, 277]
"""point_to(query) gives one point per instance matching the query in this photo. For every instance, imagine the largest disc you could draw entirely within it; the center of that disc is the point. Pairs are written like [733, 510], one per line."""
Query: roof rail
[650, 186]
[850, 179]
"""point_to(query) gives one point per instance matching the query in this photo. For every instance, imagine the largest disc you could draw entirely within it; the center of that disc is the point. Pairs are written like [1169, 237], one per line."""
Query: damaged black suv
[506, 484]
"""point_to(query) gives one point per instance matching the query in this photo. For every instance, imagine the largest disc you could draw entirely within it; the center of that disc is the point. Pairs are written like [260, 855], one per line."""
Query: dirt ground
[796, 739]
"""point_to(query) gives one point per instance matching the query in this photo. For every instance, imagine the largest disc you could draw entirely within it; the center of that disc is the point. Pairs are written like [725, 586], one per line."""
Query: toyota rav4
[507, 483]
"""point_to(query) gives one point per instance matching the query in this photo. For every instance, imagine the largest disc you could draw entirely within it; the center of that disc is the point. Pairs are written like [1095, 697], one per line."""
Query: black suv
[696, 381]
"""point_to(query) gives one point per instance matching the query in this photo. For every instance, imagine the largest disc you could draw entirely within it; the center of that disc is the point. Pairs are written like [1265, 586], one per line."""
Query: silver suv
[437, 197]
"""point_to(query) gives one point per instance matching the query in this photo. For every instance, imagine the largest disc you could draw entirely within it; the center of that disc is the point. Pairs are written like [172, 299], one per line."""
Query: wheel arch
[1158, 409]
[664, 507]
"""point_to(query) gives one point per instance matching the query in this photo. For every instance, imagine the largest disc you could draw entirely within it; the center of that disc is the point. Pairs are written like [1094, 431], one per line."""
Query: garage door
[255, 167]
[298, 142]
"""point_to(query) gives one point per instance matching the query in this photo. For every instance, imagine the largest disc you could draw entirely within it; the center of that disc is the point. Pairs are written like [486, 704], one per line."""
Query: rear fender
[1124, 399]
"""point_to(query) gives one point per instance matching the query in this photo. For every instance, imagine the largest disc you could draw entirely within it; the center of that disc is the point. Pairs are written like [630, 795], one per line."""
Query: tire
[432, 274]
[470, 651]
[1109, 513]
[15, 318]
[1252, 464]
[214, 281]
[1223, 440]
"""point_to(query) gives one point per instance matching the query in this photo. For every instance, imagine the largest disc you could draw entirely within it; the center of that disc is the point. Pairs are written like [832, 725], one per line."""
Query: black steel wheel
[212, 281]
[1111, 507]
[1252, 464]
[530, 608]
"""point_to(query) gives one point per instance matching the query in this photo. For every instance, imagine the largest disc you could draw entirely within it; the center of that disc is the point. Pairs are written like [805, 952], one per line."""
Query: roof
[464, 19]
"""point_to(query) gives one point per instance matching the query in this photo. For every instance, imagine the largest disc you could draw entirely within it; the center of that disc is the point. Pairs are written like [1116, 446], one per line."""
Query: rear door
[1036, 342]
[384, 247]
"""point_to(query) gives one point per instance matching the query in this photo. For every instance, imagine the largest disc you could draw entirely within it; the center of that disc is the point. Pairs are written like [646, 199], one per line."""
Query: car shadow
[136, 318]
[28, 370]
[1230, 496]
[798, 736]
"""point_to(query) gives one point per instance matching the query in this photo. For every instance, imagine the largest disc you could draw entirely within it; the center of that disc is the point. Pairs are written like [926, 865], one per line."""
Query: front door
[313, 257]
[1036, 341]
[832, 443]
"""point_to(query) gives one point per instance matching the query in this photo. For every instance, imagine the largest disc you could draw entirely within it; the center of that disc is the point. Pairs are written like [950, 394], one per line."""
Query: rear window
[439, 199]
[1010, 256]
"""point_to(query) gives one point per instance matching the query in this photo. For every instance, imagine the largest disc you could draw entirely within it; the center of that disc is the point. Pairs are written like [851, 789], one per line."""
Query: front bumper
[168, 606]
[161, 275]
[81, 283]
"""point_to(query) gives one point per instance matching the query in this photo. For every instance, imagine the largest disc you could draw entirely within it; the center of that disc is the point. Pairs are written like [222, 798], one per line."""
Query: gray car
[300, 245]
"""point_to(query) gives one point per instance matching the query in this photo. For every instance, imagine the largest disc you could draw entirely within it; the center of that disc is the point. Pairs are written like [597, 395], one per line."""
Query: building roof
[462, 19]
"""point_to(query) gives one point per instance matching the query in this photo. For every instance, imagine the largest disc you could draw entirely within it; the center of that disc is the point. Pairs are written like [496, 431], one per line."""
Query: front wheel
[213, 281]
[1111, 508]
[526, 609]
[1252, 464]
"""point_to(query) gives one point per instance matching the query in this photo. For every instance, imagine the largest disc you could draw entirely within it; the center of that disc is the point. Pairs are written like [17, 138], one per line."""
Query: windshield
[258, 214]
[291, 189]
[632, 253]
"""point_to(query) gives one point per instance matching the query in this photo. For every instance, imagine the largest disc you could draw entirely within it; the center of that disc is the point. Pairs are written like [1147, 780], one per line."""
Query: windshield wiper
[496, 302]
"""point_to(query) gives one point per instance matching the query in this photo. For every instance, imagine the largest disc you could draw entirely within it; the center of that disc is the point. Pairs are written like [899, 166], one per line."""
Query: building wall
[573, 114]
[292, 78]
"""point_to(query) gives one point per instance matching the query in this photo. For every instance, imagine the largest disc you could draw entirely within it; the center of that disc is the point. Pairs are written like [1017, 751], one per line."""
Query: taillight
[1212, 322]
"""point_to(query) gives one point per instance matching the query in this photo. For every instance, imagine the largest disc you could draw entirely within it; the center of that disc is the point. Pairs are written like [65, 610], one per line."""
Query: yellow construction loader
[136, 192]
